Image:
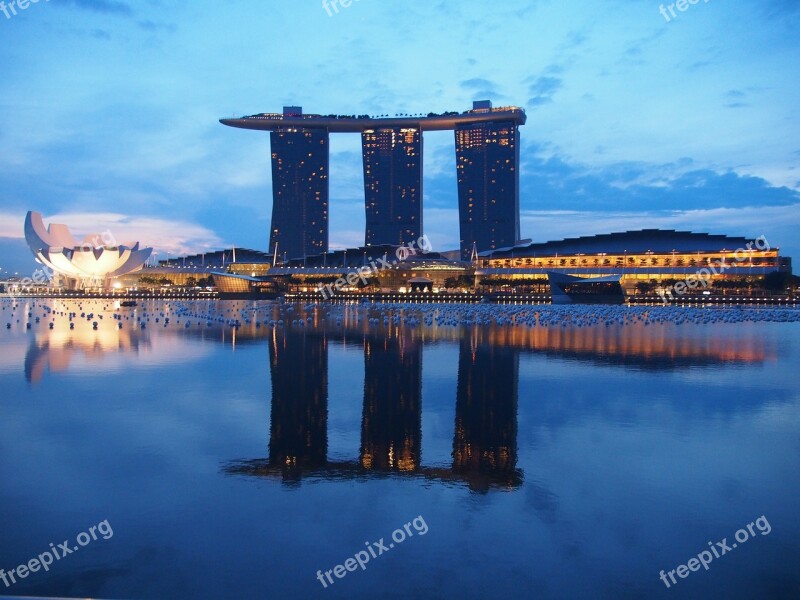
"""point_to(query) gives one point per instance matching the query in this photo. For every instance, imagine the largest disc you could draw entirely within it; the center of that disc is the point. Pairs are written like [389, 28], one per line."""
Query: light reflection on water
[547, 461]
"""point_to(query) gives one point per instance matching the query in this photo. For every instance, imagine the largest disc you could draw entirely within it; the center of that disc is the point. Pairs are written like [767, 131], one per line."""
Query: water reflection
[484, 443]
[54, 350]
[484, 446]
[299, 423]
[484, 450]
[391, 425]
[485, 440]
[658, 348]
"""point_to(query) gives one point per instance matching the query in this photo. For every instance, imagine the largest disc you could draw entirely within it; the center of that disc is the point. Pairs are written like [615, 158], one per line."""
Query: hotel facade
[487, 158]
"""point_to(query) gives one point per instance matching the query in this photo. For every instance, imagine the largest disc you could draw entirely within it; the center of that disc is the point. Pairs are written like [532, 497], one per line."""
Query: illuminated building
[91, 263]
[649, 258]
[487, 159]
[392, 185]
[307, 275]
[487, 155]
[237, 258]
[300, 159]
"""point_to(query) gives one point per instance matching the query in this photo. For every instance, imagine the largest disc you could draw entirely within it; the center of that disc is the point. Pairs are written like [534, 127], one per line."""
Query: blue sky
[109, 112]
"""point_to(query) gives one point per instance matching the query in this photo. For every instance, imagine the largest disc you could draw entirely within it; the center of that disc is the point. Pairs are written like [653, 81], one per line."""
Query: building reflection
[484, 455]
[299, 418]
[54, 350]
[485, 438]
[484, 446]
[484, 450]
[661, 348]
[391, 426]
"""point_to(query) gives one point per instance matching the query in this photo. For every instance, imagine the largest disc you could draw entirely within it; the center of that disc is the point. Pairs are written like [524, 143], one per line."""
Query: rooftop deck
[357, 124]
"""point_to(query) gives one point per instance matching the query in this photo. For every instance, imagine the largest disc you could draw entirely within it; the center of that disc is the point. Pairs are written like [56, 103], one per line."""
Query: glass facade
[392, 185]
[487, 155]
[300, 159]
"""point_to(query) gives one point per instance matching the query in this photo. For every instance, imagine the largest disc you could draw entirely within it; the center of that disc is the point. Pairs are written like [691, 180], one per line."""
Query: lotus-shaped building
[90, 263]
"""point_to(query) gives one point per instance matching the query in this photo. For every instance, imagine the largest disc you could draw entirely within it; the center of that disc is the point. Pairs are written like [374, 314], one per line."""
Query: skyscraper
[392, 185]
[300, 160]
[487, 159]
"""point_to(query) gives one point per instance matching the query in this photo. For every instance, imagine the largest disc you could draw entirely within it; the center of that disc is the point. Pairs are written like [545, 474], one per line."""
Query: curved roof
[56, 248]
[634, 242]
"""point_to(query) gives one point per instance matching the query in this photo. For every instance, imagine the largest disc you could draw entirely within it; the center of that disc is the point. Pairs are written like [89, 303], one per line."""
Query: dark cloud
[476, 82]
[555, 183]
[542, 90]
[153, 26]
[635, 50]
[701, 64]
[735, 99]
[481, 88]
[575, 39]
[101, 6]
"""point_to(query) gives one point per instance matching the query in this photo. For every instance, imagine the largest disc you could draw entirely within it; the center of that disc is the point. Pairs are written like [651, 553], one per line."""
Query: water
[566, 456]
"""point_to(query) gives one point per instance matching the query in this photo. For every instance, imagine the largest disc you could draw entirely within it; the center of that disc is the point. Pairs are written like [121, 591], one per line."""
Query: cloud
[550, 180]
[482, 88]
[735, 99]
[165, 235]
[153, 26]
[542, 90]
[114, 7]
[776, 223]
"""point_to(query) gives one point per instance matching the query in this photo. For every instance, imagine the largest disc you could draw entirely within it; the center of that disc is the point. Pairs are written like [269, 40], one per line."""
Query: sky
[109, 113]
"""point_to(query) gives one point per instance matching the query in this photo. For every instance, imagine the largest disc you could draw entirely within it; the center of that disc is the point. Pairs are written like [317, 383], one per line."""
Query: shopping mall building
[644, 260]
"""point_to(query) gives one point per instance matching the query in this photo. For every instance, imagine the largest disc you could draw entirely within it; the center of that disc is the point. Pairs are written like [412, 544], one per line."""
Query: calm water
[553, 461]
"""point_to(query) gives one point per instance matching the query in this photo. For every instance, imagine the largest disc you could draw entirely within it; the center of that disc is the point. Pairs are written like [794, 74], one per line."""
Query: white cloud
[164, 235]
